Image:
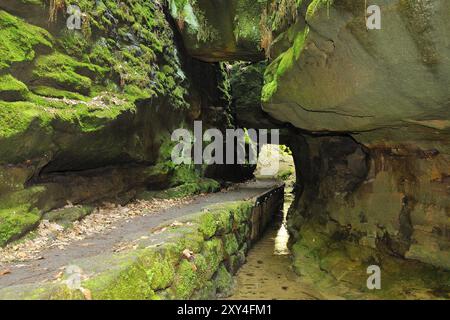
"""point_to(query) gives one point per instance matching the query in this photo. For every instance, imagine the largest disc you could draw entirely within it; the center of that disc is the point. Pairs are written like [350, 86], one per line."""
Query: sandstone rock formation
[371, 115]
[387, 90]
[86, 115]
[366, 112]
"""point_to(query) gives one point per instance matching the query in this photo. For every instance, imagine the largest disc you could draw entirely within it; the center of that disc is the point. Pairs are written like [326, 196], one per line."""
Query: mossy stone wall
[194, 258]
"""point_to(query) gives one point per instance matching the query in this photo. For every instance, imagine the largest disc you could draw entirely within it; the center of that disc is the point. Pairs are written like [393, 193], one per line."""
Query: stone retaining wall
[191, 258]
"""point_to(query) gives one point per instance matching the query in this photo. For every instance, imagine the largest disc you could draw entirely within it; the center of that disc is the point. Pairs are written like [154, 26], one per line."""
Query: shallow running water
[268, 274]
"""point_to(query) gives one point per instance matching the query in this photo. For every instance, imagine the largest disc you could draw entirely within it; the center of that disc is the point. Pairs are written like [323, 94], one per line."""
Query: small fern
[278, 15]
[315, 5]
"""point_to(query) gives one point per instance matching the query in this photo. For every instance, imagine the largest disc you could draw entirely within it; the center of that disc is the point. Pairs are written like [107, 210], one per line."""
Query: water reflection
[281, 241]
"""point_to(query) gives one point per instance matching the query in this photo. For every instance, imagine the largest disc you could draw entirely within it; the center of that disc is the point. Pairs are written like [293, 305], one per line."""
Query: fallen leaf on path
[188, 254]
[87, 293]
[176, 224]
[4, 272]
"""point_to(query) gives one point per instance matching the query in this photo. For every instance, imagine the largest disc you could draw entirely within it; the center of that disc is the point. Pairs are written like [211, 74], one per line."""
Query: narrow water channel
[268, 273]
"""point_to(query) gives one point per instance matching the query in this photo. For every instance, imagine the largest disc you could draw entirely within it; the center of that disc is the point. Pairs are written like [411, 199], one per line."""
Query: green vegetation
[282, 64]
[12, 89]
[190, 17]
[66, 72]
[79, 67]
[19, 40]
[16, 221]
[315, 5]
[79, 87]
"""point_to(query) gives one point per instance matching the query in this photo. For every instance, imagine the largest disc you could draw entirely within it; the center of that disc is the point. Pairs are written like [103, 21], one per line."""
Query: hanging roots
[55, 6]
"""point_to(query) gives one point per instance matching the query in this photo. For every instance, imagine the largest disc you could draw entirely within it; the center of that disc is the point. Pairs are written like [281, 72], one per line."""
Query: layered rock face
[372, 109]
[388, 90]
[86, 114]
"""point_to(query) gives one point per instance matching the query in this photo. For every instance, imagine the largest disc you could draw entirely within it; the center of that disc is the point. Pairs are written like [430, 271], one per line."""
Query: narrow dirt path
[54, 259]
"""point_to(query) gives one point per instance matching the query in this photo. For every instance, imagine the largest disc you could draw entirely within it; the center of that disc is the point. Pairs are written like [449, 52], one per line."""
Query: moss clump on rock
[215, 222]
[12, 89]
[282, 64]
[66, 216]
[159, 267]
[224, 281]
[213, 252]
[66, 73]
[127, 280]
[191, 188]
[186, 280]
[230, 244]
[20, 40]
[16, 221]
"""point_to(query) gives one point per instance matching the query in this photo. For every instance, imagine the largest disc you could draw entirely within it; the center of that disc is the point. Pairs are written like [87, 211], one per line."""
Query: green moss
[160, 269]
[192, 241]
[243, 233]
[185, 280]
[57, 93]
[129, 283]
[213, 252]
[246, 82]
[9, 83]
[224, 222]
[188, 189]
[74, 44]
[206, 292]
[207, 224]
[281, 65]
[66, 72]
[241, 211]
[338, 267]
[203, 270]
[285, 174]
[14, 222]
[19, 40]
[230, 244]
[223, 281]
[247, 21]
[66, 216]
[215, 221]
[16, 117]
